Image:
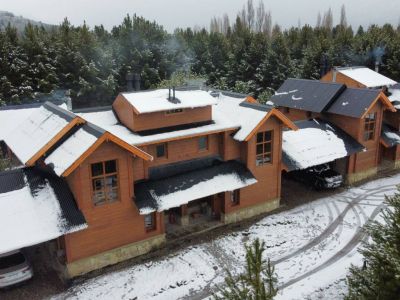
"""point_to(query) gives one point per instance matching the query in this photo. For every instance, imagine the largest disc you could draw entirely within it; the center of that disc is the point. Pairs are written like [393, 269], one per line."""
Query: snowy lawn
[312, 246]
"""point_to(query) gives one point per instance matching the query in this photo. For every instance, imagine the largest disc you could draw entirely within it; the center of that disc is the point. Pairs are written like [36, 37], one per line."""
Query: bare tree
[343, 19]
[214, 25]
[267, 26]
[225, 24]
[327, 21]
[250, 14]
[318, 20]
[260, 16]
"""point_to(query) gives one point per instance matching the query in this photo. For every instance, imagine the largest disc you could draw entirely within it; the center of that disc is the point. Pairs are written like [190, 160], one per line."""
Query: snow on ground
[312, 247]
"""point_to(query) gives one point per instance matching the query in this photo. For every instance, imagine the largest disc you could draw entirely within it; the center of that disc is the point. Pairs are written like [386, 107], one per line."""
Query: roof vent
[171, 96]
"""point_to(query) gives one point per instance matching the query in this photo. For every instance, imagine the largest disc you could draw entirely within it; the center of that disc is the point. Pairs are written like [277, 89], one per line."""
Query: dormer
[164, 108]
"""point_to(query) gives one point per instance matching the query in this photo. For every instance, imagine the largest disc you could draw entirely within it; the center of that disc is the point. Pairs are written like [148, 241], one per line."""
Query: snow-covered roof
[157, 100]
[248, 116]
[174, 191]
[13, 115]
[390, 136]
[37, 130]
[108, 121]
[367, 77]
[395, 95]
[316, 142]
[72, 149]
[31, 211]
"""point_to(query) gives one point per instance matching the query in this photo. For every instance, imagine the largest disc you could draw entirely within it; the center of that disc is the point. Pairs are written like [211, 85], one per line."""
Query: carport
[317, 142]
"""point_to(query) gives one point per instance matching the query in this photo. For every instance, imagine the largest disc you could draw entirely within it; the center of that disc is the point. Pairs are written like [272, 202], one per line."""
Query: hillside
[17, 21]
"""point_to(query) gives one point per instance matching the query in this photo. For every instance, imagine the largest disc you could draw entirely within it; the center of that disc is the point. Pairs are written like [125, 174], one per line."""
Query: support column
[184, 215]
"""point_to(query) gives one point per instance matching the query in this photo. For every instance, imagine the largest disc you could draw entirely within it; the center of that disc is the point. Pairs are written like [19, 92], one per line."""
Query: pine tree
[258, 282]
[379, 278]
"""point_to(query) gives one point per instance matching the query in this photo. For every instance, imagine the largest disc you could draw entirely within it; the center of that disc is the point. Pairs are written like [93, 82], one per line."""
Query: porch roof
[316, 142]
[390, 136]
[163, 194]
[35, 207]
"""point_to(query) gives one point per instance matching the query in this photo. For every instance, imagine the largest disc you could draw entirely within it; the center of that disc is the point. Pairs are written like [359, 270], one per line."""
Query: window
[235, 197]
[174, 111]
[264, 148]
[203, 143]
[104, 182]
[369, 127]
[161, 150]
[150, 222]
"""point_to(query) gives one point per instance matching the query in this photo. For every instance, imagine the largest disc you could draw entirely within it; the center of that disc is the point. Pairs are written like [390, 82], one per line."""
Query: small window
[264, 148]
[161, 150]
[235, 197]
[150, 222]
[203, 143]
[104, 182]
[369, 127]
[174, 111]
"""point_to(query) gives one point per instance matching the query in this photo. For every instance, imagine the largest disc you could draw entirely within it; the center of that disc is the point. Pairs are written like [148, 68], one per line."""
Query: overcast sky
[184, 13]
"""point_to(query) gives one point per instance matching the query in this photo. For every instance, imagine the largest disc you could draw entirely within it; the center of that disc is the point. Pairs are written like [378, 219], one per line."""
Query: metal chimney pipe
[136, 80]
[129, 81]
[376, 66]
[334, 74]
[169, 93]
[173, 91]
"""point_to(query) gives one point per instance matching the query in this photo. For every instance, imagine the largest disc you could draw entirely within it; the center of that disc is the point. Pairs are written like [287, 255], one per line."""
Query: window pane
[259, 137]
[366, 136]
[149, 221]
[267, 158]
[259, 149]
[268, 135]
[97, 169]
[160, 150]
[111, 166]
[268, 147]
[98, 184]
[259, 160]
[371, 126]
[203, 143]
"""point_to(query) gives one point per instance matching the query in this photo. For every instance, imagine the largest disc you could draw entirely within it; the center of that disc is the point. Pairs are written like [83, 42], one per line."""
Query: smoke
[377, 53]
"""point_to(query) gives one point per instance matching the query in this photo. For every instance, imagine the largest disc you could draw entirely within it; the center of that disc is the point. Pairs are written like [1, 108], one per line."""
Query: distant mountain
[18, 21]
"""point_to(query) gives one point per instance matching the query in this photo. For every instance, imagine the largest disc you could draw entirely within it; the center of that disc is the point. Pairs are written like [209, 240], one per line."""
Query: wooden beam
[54, 140]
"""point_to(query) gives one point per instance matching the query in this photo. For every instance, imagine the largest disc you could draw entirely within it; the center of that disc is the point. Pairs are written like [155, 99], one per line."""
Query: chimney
[169, 94]
[136, 80]
[334, 74]
[376, 66]
[129, 81]
[173, 91]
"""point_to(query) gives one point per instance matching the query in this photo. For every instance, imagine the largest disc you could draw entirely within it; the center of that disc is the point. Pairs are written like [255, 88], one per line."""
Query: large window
[104, 182]
[264, 148]
[150, 222]
[161, 150]
[369, 127]
[203, 143]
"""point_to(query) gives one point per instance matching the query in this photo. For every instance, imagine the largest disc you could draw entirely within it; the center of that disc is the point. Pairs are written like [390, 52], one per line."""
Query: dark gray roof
[257, 106]
[353, 102]
[16, 179]
[145, 192]
[63, 113]
[351, 145]
[308, 95]
[390, 136]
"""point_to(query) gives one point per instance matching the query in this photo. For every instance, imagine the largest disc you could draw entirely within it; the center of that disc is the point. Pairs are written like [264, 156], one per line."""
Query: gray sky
[184, 13]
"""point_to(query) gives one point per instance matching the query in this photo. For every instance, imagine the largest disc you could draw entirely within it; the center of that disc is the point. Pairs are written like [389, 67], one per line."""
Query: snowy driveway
[312, 246]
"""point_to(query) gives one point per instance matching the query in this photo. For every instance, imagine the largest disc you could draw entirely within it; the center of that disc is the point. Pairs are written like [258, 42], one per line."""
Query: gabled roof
[157, 100]
[40, 131]
[174, 191]
[308, 95]
[366, 76]
[67, 156]
[249, 115]
[321, 97]
[35, 207]
[354, 102]
[316, 142]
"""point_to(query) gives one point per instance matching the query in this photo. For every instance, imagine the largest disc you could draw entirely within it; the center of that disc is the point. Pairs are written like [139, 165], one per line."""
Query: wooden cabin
[154, 163]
